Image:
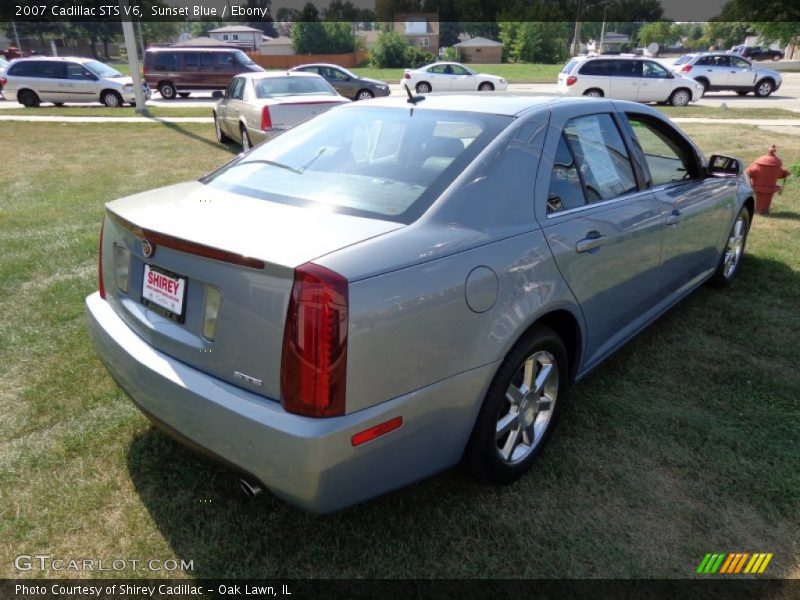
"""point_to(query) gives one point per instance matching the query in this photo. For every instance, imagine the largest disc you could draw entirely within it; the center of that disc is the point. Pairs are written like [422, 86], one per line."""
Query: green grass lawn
[683, 443]
[104, 111]
[513, 73]
[730, 113]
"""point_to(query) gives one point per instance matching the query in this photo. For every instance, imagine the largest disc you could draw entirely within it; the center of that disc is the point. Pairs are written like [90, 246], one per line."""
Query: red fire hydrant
[764, 174]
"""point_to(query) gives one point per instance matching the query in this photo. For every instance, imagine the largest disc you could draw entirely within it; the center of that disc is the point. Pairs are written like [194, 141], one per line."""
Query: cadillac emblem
[148, 249]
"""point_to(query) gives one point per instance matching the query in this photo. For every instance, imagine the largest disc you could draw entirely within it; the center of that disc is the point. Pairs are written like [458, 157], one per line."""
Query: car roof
[81, 59]
[319, 65]
[510, 105]
[270, 74]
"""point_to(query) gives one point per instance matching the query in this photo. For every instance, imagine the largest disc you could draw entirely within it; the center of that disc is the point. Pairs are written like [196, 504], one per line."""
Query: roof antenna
[411, 98]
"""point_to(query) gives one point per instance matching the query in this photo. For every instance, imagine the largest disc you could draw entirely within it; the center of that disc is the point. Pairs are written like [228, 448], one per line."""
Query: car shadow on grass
[628, 473]
[176, 127]
[783, 214]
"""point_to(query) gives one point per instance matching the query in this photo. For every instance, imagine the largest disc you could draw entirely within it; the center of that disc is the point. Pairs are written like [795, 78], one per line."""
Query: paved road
[788, 97]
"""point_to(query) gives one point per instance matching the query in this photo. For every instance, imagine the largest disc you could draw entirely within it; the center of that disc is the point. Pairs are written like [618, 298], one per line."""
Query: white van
[31, 81]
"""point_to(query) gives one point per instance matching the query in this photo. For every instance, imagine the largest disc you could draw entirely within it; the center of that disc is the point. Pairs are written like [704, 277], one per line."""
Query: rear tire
[167, 90]
[521, 408]
[594, 93]
[423, 88]
[28, 99]
[731, 258]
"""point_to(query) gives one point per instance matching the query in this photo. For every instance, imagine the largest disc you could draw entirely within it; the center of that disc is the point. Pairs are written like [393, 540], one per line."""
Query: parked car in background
[31, 81]
[626, 78]
[450, 77]
[257, 106]
[345, 82]
[180, 71]
[3, 65]
[385, 290]
[760, 53]
[721, 71]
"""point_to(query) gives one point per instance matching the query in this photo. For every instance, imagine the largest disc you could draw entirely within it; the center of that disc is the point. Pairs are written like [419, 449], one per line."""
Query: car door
[340, 81]
[462, 79]
[626, 77]
[740, 74]
[206, 76]
[716, 69]
[234, 95]
[81, 85]
[694, 207]
[656, 83]
[603, 228]
[438, 78]
[51, 80]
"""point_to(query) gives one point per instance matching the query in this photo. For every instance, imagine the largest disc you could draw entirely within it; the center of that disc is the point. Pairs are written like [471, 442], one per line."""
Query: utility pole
[576, 40]
[133, 58]
[141, 39]
[16, 37]
[603, 28]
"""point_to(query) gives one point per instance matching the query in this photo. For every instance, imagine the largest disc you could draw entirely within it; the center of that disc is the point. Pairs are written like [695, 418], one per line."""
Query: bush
[389, 51]
[416, 57]
[450, 54]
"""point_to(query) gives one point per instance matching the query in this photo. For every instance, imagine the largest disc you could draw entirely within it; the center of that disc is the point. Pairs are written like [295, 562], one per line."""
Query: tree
[541, 42]
[389, 50]
[267, 24]
[339, 38]
[308, 33]
[662, 33]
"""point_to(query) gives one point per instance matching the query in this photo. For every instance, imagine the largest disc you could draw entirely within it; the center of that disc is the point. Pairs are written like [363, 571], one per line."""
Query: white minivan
[31, 81]
[626, 78]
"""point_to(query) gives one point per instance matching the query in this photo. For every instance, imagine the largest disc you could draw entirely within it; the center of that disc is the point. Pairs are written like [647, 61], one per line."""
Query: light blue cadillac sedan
[398, 285]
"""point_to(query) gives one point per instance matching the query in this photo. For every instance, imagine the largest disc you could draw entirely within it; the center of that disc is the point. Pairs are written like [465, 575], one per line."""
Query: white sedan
[450, 77]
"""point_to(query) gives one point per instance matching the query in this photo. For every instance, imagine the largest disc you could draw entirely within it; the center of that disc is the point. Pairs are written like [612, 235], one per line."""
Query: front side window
[76, 71]
[654, 70]
[566, 188]
[739, 63]
[224, 59]
[667, 156]
[459, 70]
[601, 156]
[376, 162]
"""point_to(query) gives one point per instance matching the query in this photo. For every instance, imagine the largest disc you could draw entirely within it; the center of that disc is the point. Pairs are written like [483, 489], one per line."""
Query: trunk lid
[205, 239]
[288, 111]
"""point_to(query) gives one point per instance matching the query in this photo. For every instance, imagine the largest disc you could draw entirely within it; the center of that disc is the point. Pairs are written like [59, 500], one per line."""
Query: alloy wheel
[734, 248]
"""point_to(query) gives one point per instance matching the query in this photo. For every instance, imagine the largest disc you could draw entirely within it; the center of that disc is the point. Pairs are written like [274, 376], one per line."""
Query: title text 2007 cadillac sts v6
[398, 285]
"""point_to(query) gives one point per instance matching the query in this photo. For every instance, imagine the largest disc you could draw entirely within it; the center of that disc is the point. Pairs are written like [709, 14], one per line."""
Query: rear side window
[601, 156]
[167, 61]
[385, 163]
[190, 59]
[569, 66]
[39, 68]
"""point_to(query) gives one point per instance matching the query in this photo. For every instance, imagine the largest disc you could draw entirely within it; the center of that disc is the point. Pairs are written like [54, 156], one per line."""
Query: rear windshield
[568, 67]
[683, 59]
[384, 163]
[274, 87]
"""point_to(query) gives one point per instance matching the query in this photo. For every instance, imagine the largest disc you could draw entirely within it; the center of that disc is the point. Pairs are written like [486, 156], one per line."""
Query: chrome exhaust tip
[250, 489]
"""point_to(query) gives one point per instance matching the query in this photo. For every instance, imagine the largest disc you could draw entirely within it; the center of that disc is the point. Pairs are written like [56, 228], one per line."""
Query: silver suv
[31, 81]
[718, 71]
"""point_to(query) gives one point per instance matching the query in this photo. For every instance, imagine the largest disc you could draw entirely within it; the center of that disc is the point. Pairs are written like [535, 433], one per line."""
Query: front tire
[680, 97]
[423, 88]
[184, 94]
[764, 88]
[364, 95]
[731, 258]
[111, 99]
[486, 87]
[167, 90]
[742, 93]
[221, 137]
[246, 144]
[520, 409]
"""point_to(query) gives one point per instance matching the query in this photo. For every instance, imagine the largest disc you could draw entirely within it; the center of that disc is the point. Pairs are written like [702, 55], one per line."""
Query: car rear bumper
[308, 462]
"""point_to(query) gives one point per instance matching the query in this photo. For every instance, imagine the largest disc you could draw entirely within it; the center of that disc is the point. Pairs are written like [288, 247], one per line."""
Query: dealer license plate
[164, 292]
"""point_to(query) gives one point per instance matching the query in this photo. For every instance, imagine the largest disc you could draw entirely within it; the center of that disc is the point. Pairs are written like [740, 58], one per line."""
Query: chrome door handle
[590, 242]
[673, 218]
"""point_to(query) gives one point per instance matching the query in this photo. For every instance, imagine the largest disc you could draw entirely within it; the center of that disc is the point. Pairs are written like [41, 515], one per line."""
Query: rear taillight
[3, 81]
[686, 68]
[266, 119]
[314, 363]
[571, 80]
[100, 285]
[407, 75]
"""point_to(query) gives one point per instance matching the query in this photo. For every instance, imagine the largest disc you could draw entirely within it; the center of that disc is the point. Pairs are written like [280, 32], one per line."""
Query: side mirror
[723, 166]
[217, 94]
[670, 75]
